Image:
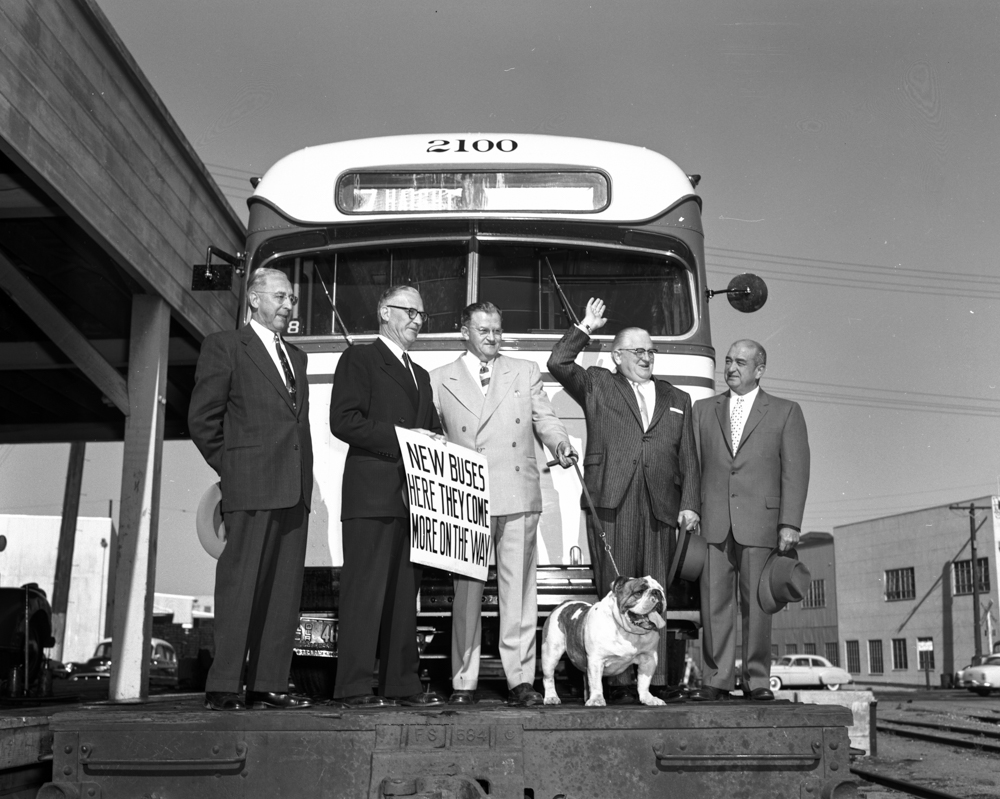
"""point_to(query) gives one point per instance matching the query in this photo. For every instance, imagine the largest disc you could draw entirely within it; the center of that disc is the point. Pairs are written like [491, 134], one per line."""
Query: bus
[536, 224]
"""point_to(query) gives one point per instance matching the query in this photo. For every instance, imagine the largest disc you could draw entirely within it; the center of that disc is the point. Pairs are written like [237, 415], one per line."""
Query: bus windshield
[639, 288]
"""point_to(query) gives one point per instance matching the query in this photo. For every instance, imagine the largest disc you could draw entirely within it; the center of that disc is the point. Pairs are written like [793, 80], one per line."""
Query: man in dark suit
[640, 465]
[375, 389]
[249, 418]
[755, 472]
[496, 405]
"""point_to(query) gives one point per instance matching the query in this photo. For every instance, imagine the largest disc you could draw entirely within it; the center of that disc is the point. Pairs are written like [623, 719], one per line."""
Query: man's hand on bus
[566, 454]
[436, 436]
[594, 319]
[688, 520]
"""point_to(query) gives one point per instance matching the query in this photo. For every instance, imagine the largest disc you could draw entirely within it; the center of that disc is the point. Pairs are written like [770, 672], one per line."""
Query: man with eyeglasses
[496, 405]
[376, 388]
[249, 418]
[640, 466]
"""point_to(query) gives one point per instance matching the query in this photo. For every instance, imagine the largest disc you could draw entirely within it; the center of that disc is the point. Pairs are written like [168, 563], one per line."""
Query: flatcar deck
[177, 749]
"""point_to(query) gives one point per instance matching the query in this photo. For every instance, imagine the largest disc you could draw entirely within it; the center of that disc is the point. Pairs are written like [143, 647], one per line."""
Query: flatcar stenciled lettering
[479, 145]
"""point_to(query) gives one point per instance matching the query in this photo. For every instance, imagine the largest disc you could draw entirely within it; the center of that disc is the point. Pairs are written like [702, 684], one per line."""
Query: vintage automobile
[795, 671]
[162, 664]
[982, 677]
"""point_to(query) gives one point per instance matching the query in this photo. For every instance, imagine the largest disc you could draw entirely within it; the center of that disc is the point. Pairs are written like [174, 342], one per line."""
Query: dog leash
[593, 510]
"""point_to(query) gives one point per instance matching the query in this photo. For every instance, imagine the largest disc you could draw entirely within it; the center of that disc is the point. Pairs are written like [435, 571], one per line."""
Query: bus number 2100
[479, 145]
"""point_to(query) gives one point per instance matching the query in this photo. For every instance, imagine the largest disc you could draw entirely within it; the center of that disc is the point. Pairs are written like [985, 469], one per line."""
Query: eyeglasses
[413, 313]
[281, 296]
[485, 331]
[639, 352]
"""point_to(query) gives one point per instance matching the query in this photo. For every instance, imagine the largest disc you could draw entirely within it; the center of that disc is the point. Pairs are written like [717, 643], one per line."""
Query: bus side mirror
[216, 277]
[746, 293]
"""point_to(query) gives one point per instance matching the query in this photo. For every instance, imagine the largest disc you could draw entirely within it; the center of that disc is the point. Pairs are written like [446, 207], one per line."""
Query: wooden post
[135, 553]
[67, 541]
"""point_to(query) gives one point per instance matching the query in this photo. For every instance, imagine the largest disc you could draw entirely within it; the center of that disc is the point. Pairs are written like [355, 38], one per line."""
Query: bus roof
[641, 184]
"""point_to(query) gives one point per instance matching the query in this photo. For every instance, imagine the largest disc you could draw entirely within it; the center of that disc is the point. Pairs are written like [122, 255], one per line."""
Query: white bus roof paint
[643, 183]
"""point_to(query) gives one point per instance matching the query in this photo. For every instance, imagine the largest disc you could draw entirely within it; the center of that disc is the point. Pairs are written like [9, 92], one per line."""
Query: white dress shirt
[474, 366]
[738, 422]
[398, 351]
[267, 338]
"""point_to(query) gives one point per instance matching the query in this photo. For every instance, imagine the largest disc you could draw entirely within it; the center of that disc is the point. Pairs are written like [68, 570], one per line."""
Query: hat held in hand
[783, 580]
[689, 557]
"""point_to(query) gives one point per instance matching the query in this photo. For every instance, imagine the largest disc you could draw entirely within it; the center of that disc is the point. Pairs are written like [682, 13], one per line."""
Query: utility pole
[973, 527]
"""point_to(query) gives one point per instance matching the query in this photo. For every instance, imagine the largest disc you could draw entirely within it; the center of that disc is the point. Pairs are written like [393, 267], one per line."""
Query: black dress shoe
[429, 699]
[762, 695]
[264, 700]
[669, 693]
[223, 700]
[708, 693]
[460, 697]
[362, 701]
[623, 695]
[524, 695]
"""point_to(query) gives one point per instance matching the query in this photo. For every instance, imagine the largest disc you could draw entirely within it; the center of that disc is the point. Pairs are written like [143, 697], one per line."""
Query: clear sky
[850, 154]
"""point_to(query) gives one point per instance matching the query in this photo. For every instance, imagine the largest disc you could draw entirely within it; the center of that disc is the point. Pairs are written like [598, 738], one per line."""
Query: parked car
[162, 664]
[982, 677]
[794, 671]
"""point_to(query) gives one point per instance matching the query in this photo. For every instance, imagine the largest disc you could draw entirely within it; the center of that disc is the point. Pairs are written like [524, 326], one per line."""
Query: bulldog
[607, 637]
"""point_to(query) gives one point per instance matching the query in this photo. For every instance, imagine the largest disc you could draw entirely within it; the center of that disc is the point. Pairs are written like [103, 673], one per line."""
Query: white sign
[925, 646]
[449, 492]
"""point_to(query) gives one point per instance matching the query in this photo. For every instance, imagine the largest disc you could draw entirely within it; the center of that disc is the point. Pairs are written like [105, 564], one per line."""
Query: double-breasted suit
[256, 436]
[501, 425]
[373, 393]
[639, 479]
[746, 497]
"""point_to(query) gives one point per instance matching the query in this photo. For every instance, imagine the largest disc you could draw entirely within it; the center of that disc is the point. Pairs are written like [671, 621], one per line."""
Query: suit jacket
[617, 446]
[242, 421]
[500, 425]
[373, 393]
[764, 485]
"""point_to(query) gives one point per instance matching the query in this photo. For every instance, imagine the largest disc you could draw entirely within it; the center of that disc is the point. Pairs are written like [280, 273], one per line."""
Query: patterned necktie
[643, 409]
[735, 415]
[289, 377]
[484, 376]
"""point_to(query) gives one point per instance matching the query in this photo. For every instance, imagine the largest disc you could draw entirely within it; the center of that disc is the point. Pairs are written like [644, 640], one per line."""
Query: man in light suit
[376, 388]
[249, 417]
[640, 466]
[493, 404]
[755, 472]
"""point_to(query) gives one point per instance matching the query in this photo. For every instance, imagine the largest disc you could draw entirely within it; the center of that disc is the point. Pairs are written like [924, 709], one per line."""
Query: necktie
[735, 419]
[289, 377]
[484, 376]
[409, 368]
[643, 409]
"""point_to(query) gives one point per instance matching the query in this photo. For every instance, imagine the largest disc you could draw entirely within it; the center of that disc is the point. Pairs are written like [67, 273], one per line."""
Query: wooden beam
[135, 553]
[17, 356]
[67, 542]
[63, 334]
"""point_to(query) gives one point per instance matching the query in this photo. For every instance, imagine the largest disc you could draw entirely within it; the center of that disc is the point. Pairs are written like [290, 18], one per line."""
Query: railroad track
[947, 734]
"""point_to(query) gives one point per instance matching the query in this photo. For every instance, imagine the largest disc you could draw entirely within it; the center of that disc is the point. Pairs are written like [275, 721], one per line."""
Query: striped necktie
[289, 377]
[484, 376]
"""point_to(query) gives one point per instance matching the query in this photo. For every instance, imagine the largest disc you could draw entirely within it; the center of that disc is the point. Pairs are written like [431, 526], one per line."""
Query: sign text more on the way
[449, 498]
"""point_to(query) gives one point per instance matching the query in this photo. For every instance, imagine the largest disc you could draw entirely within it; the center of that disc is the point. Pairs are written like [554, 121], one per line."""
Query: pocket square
[677, 410]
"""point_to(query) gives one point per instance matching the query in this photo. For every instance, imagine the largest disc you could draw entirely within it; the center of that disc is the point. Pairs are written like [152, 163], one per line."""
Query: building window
[816, 596]
[853, 657]
[832, 654]
[791, 649]
[926, 658]
[963, 575]
[809, 649]
[899, 584]
[899, 654]
[875, 656]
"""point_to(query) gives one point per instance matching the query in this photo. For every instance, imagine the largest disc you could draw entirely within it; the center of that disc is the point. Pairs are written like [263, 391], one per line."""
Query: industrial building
[906, 595]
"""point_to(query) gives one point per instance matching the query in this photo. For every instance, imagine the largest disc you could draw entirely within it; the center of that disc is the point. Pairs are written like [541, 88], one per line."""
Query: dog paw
[596, 701]
[552, 700]
[649, 699]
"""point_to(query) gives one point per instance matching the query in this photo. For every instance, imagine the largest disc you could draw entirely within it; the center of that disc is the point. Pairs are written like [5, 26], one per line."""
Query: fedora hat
[783, 580]
[208, 521]
[689, 557]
